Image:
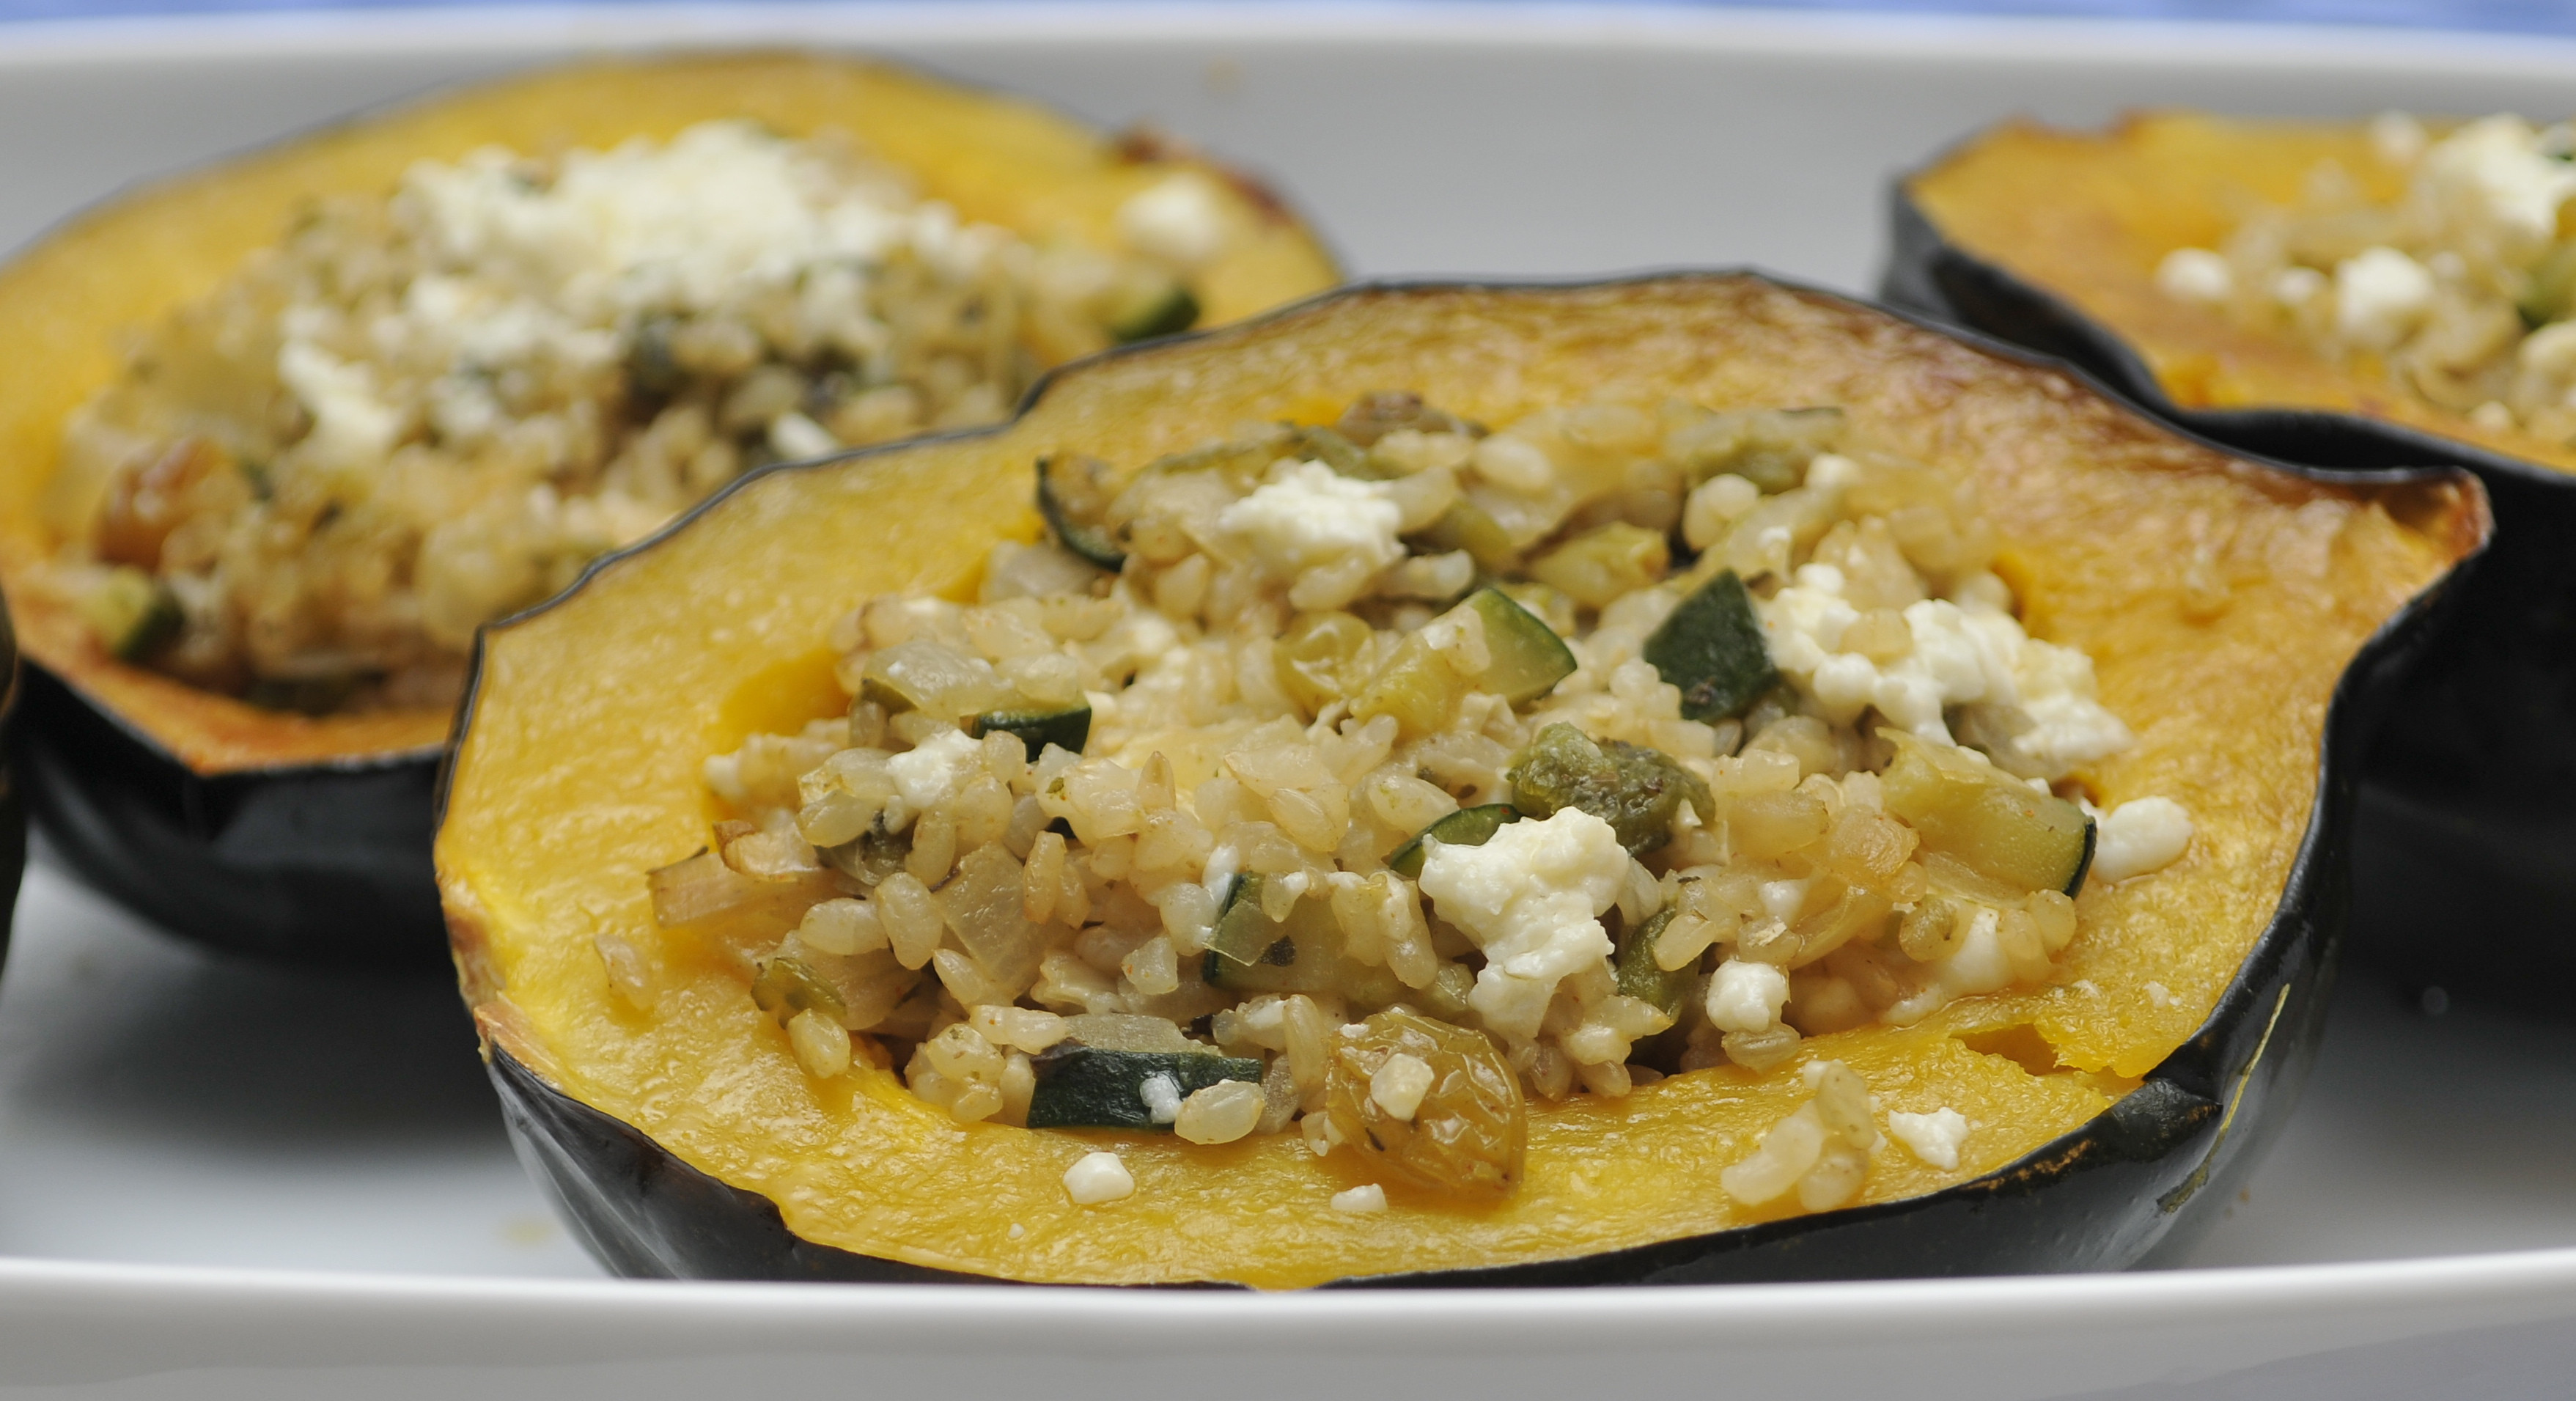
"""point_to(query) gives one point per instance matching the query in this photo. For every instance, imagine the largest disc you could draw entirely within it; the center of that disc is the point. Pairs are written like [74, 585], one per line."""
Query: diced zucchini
[2551, 293]
[1156, 311]
[1324, 445]
[1606, 563]
[1997, 825]
[1768, 447]
[870, 857]
[925, 676]
[1466, 526]
[1711, 647]
[1242, 933]
[1529, 658]
[1373, 416]
[1314, 658]
[1083, 1087]
[1640, 976]
[133, 614]
[1067, 727]
[1069, 497]
[1302, 953]
[786, 986]
[1466, 827]
[1634, 789]
[1416, 685]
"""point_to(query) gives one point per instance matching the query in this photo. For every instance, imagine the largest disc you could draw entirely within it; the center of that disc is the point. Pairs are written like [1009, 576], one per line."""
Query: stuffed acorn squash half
[1674, 780]
[382, 384]
[2364, 295]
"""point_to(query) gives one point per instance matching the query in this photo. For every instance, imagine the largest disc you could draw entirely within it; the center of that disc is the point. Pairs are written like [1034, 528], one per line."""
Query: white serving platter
[218, 1180]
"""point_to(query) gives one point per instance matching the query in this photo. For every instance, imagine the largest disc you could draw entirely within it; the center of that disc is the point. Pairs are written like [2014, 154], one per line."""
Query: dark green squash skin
[13, 808]
[2151, 1174]
[2468, 801]
[321, 864]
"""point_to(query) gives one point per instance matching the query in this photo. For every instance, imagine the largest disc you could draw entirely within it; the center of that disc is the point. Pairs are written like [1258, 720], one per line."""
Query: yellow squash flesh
[121, 267]
[579, 771]
[2087, 216]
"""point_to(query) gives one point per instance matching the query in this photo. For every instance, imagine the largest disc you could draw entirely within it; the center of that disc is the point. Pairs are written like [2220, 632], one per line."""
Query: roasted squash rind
[270, 832]
[2049, 239]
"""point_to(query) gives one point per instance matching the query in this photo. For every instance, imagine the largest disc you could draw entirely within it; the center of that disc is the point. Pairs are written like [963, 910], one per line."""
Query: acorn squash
[307, 836]
[2114, 1109]
[2051, 239]
[13, 808]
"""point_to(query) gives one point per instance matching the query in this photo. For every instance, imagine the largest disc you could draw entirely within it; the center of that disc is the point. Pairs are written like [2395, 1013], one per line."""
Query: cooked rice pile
[1732, 740]
[424, 411]
[2461, 292]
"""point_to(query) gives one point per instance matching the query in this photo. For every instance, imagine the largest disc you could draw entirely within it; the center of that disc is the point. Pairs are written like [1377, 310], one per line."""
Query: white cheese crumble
[2195, 275]
[1933, 1137]
[1746, 996]
[351, 426]
[2492, 178]
[1361, 1200]
[1398, 1085]
[1328, 532]
[1962, 653]
[1162, 1096]
[687, 225]
[930, 773]
[2380, 295]
[1098, 1177]
[2159, 995]
[2138, 836]
[1179, 219]
[1531, 898]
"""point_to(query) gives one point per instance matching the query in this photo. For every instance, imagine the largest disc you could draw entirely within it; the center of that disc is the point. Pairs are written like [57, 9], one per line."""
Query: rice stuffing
[2461, 292]
[1376, 780]
[425, 410]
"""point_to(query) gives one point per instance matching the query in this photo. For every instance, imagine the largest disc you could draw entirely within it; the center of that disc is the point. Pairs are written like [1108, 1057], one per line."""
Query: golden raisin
[1465, 1134]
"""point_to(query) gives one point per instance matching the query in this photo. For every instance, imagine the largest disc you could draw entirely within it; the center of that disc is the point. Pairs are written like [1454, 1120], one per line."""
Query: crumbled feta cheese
[1933, 1137]
[351, 426]
[1162, 1096]
[2296, 287]
[1361, 1200]
[1746, 996]
[935, 769]
[1310, 521]
[2493, 183]
[2380, 296]
[2138, 836]
[1978, 965]
[1960, 655]
[1098, 1177]
[1180, 219]
[793, 436]
[1781, 899]
[689, 225]
[1530, 897]
[1398, 1085]
[2195, 275]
